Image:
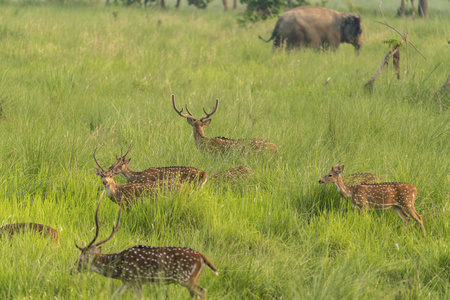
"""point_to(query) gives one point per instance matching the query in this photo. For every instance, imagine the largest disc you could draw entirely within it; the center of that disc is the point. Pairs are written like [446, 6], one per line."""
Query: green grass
[76, 78]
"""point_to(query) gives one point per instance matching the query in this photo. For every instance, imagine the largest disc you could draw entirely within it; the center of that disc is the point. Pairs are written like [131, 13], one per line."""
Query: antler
[190, 116]
[96, 224]
[211, 113]
[121, 159]
[96, 161]
[121, 153]
[114, 229]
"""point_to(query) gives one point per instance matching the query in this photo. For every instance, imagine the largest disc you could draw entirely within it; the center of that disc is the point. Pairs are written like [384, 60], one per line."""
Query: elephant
[317, 27]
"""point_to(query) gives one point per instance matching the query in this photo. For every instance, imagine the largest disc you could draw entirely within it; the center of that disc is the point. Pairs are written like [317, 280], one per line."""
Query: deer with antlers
[140, 265]
[130, 191]
[396, 195]
[181, 173]
[220, 144]
[44, 230]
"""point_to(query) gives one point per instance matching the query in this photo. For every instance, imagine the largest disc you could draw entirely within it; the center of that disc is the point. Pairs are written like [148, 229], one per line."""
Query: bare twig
[326, 85]
[395, 53]
[417, 50]
[377, 73]
[386, 24]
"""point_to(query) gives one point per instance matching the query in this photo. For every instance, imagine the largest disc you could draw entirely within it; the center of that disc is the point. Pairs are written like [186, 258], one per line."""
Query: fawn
[362, 178]
[396, 195]
[233, 175]
[140, 265]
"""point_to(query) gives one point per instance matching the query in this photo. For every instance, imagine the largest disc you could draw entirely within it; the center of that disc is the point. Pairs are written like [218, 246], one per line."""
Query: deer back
[384, 195]
[183, 174]
[133, 190]
[233, 175]
[155, 264]
[47, 231]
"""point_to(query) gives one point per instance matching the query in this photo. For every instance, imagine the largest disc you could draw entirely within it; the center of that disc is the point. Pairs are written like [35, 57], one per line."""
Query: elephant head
[351, 30]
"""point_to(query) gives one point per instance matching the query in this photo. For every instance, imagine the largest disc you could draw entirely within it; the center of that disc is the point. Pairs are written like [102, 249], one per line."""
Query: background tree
[258, 10]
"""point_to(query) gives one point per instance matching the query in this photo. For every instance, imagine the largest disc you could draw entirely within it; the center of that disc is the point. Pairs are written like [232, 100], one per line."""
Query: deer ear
[127, 161]
[340, 169]
[190, 121]
[206, 122]
[98, 172]
[97, 250]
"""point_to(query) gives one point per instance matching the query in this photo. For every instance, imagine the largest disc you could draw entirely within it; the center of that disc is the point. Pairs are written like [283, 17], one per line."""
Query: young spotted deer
[233, 175]
[183, 174]
[140, 265]
[396, 195]
[44, 230]
[220, 144]
[362, 178]
[130, 191]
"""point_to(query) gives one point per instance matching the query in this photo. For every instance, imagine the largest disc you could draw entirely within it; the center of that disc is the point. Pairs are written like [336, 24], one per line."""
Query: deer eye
[330, 175]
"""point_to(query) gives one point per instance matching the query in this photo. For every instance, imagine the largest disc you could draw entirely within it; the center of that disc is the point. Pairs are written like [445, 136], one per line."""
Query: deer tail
[209, 264]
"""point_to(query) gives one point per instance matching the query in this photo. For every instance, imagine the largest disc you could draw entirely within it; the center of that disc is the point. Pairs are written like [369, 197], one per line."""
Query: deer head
[332, 177]
[197, 124]
[107, 175]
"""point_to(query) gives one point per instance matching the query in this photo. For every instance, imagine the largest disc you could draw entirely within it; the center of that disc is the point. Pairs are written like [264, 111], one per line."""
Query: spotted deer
[140, 265]
[44, 230]
[396, 195]
[181, 173]
[130, 191]
[361, 178]
[221, 144]
[233, 175]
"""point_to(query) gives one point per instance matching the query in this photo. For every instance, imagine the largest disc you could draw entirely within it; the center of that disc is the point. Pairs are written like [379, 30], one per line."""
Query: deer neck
[105, 264]
[128, 174]
[111, 191]
[199, 136]
[343, 188]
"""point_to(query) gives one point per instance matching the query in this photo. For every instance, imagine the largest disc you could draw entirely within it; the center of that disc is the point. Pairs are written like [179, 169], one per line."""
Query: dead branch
[377, 73]
[326, 85]
[395, 53]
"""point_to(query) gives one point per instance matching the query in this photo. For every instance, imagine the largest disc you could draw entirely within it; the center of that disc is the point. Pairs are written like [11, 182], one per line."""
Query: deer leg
[196, 291]
[119, 291]
[402, 215]
[138, 290]
[413, 213]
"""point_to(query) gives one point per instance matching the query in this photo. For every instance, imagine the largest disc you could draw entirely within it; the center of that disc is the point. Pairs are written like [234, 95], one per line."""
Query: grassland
[76, 78]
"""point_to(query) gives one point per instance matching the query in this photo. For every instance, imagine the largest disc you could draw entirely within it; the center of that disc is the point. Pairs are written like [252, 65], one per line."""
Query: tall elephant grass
[76, 78]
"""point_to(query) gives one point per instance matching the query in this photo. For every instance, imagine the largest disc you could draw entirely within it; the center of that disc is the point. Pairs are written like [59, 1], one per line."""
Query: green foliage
[393, 42]
[258, 10]
[352, 7]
